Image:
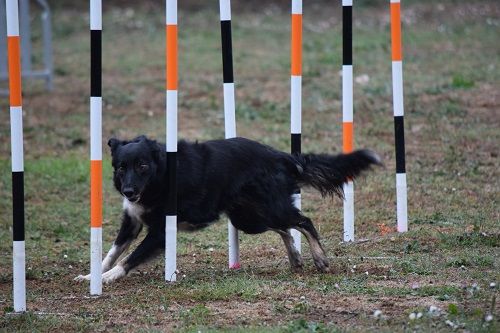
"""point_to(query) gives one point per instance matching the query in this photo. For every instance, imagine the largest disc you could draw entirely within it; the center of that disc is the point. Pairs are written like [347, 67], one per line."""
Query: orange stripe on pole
[171, 57]
[14, 52]
[296, 49]
[96, 193]
[397, 54]
[348, 136]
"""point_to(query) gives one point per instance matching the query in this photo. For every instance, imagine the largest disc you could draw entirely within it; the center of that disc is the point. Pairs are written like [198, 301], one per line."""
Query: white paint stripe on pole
[16, 138]
[225, 10]
[296, 6]
[95, 260]
[349, 212]
[401, 202]
[347, 94]
[171, 248]
[171, 120]
[397, 88]
[297, 239]
[95, 15]
[346, 2]
[229, 111]
[171, 12]
[19, 276]
[395, 1]
[297, 202]
[12, 18]
[96, 128]
[296, 104]
[234, 246]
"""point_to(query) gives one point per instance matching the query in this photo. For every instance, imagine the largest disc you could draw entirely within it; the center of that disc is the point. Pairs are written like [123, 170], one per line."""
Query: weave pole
[347, 114]
[229, 112]
[171, 146]
[17, 155]
[95, 147]
[296, 98]
[398, 106]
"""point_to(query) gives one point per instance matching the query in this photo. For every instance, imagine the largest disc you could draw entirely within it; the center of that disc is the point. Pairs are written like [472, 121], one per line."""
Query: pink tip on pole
[235, 266]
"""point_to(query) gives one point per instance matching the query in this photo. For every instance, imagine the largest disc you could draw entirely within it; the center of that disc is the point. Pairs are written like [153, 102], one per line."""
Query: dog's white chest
[134, 210]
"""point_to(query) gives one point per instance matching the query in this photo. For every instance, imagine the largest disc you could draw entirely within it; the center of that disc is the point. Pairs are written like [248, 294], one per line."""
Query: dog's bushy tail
[327, 173]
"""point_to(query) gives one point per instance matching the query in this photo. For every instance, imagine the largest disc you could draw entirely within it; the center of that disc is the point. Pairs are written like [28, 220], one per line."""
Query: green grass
[42, 322]
[451, 95]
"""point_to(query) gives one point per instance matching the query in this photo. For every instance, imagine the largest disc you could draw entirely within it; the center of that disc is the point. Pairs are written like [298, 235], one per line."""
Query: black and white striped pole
[296, 98]
[347, 114]
[229, 111]
[95, 147]
[398, 106]
[171, 137]
[17, 155]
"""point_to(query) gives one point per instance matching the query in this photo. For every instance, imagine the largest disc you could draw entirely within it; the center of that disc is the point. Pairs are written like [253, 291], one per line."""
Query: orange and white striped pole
[95, 147]
[398, 106]
[296, 98]
[229, 112]
[347, 114]
[17, 155]
[171, 136]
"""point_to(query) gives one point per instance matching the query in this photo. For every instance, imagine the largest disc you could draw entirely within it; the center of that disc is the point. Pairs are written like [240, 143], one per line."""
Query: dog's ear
[141, 138]
[114, 143]
[156, 149]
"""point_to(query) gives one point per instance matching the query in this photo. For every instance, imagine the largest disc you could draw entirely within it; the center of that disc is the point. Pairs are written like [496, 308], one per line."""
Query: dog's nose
[128, 192]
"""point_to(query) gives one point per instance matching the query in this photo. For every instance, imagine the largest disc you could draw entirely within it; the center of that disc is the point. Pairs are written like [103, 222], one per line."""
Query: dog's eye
[120, 169]
[143, 167]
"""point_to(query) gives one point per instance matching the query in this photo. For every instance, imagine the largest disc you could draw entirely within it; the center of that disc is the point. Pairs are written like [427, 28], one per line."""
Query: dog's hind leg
[306, 227]
[294, 257]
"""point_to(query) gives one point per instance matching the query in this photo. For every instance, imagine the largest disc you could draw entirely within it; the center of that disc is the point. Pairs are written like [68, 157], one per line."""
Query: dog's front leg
[149, 247]
[129, 230]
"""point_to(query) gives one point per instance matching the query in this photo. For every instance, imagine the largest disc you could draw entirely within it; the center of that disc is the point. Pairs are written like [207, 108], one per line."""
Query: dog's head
[136, 164]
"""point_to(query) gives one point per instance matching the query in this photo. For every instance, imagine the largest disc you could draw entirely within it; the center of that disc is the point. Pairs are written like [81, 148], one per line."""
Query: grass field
[448, 259]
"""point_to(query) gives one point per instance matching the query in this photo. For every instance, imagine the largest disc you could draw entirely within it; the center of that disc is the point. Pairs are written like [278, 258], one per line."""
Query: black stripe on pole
[227, 51]
[172, 183]
[347, 35]
[296, 150]
[399, 133]
[18, 205]
[296, 143]
[95, 63]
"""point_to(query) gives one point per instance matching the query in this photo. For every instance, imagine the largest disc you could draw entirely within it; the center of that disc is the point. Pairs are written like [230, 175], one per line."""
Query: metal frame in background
[47, 72]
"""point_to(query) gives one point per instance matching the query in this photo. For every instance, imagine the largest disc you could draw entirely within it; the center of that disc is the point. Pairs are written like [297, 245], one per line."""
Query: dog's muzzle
[130, 194]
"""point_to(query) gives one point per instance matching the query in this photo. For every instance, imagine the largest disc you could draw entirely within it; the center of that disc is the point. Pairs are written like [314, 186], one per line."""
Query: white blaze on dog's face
[134, 163]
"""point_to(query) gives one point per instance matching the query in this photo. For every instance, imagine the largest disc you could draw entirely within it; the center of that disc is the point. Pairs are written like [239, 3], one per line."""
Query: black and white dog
[251, 183]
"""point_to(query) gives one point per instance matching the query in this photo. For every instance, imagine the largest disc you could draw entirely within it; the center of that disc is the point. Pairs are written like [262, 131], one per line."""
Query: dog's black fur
[251, 183]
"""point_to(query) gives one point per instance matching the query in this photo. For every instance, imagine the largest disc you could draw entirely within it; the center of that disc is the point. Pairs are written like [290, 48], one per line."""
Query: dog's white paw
[113, 274]
[81, 278]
